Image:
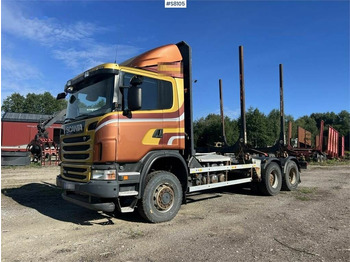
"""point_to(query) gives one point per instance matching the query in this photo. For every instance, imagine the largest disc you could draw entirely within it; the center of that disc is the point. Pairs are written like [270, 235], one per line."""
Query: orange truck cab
[122, 122]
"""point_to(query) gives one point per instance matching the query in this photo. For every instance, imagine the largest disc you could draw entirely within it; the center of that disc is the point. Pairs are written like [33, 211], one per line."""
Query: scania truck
[127, 142]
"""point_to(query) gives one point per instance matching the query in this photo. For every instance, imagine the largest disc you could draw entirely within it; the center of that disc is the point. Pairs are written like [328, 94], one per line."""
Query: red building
[18, 129]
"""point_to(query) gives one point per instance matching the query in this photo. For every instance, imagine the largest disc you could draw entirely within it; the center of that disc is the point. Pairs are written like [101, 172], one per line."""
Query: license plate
[68, 186]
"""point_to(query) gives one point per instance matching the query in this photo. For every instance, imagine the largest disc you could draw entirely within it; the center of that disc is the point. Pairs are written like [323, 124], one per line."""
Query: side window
[156, 94]
[150, 100]
[166, 94]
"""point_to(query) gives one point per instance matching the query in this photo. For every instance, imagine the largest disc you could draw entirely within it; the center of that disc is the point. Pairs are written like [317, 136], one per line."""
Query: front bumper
[99, 189]
[80, 193]
[85, 202]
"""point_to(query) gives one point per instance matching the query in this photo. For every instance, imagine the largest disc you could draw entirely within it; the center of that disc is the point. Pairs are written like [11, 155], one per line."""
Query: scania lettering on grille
[74, 128]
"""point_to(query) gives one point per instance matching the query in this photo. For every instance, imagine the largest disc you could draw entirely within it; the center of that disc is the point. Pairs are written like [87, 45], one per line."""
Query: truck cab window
[92, 100]
[156, 94]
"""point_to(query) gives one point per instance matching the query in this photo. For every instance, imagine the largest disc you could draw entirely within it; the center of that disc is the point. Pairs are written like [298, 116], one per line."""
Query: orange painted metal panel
[332, 145]
[165, 60]
[304, 137]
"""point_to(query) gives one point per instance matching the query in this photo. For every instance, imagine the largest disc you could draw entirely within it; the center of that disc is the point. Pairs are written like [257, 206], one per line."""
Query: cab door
[143, 130]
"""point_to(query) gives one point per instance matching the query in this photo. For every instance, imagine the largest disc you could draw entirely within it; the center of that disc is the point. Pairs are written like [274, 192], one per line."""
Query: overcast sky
[45, 43]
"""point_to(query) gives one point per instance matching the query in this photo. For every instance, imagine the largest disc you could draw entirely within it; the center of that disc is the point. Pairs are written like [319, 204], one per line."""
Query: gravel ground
[230, 224]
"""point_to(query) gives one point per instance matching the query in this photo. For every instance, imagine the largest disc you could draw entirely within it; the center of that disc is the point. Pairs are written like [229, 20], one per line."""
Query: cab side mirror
[61, 96]
[134, 98]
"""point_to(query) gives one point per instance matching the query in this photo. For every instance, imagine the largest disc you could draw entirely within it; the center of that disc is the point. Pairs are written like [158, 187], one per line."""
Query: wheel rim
[292, 176]
[273, 179]
[163, 197]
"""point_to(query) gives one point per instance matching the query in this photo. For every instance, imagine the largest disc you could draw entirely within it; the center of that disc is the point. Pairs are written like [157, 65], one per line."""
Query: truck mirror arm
[124, 107]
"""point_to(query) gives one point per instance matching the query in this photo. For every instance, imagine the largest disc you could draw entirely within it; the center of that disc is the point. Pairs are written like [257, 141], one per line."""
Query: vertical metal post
[342, 146]
[320, 143]
[243, 131]
[289, 132]
[282, 124]
[336, 144]
[329, 149]
[222, 112]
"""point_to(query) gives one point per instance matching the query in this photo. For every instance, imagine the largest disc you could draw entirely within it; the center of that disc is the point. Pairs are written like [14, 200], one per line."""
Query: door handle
[158, 133]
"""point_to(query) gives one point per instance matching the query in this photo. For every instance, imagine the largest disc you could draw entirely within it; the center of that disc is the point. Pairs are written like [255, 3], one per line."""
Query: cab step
[126, 209]
[128, 193]
[129, 207]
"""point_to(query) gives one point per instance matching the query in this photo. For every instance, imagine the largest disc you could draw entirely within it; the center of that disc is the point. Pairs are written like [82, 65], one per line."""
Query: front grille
[76, 156]
[68, 169]
[76, 148]
[80, 177]
[77, 139]
[79, 173]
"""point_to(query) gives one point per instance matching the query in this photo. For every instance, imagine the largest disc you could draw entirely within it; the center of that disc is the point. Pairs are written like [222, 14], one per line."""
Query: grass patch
[32, 165]
[303, 198]
[305, 193]
[307, 190]
[135, 233]
[331, 162]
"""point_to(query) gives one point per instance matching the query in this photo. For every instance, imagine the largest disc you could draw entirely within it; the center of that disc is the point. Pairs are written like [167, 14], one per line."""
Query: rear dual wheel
[271, 183]
[291, 177]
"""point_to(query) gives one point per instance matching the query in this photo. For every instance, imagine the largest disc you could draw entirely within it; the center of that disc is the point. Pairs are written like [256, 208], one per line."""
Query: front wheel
[161, 198]
[271, 180]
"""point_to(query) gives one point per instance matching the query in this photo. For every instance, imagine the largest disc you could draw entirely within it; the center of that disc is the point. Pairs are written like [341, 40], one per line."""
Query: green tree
[343, 123]
[208, 130]
[232, 130]
[264, 130]
[13, 103]
[329, 118]
[49, 103]
[257, 128]
[344, 127]
[33, 103]
[273, 126]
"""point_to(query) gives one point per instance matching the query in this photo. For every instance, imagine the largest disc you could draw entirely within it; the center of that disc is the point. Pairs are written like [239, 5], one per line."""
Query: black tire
[271, 180]
[162, 197]
[291, 177]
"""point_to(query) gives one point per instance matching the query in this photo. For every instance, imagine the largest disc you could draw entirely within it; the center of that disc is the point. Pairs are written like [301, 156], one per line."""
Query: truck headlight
[104, 174]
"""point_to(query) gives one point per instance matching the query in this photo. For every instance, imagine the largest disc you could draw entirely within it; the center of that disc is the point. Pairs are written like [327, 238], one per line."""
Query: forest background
[262, 130]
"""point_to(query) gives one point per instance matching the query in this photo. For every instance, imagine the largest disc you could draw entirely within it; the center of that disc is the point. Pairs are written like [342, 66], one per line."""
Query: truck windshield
[92, 100]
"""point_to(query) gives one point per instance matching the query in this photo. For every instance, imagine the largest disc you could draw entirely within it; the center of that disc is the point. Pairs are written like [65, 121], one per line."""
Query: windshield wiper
[83, 116]
[69, 119]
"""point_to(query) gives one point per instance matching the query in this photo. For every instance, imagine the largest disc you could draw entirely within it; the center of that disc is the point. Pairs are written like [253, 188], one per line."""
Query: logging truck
[127, 142]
